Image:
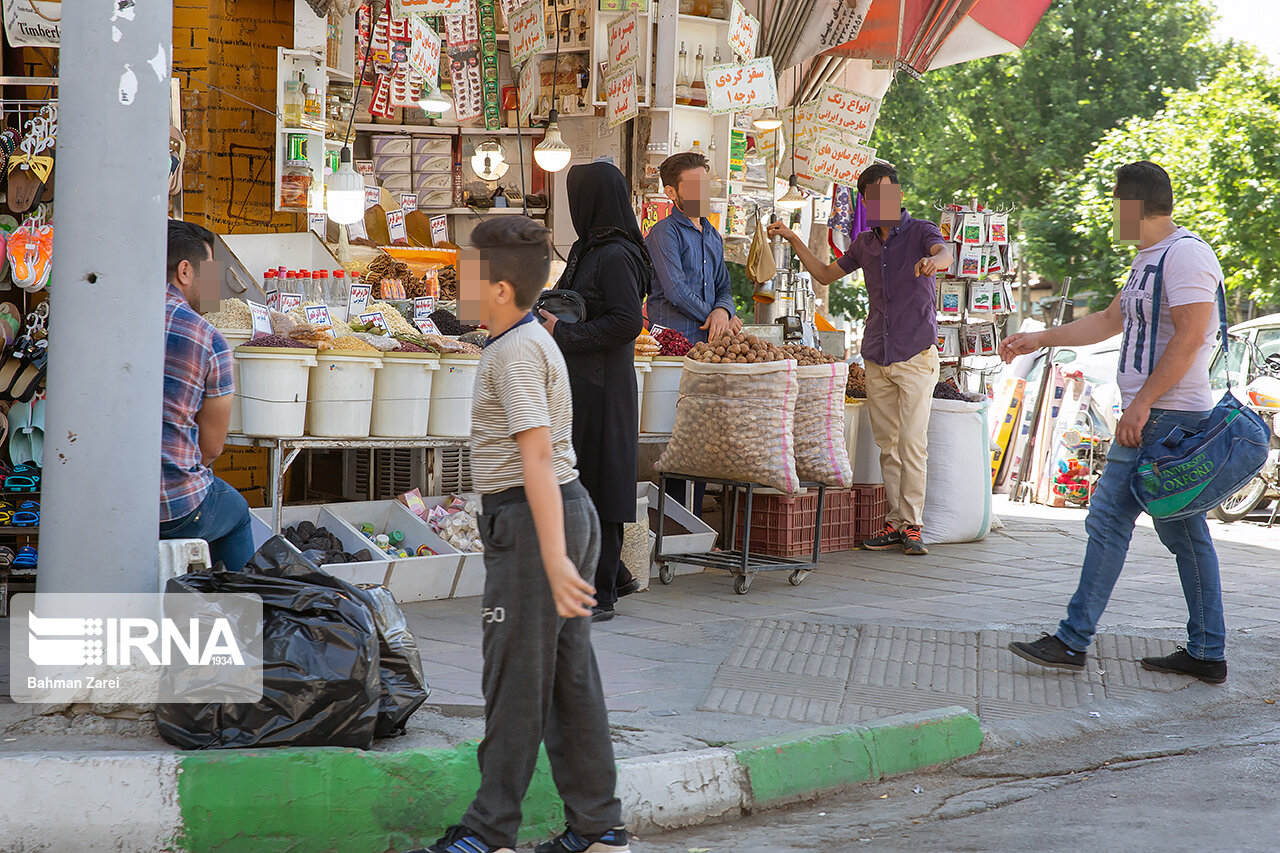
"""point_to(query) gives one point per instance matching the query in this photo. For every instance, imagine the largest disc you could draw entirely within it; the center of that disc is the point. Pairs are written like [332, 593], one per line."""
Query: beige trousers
[900, 397]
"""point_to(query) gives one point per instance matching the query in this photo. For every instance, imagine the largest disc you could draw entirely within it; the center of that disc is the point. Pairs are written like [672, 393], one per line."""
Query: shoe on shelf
[460, 839]
[1182, 663]
[1050, 651]
[613, 841]
[912, 544]
[890, 537]
[600, 614]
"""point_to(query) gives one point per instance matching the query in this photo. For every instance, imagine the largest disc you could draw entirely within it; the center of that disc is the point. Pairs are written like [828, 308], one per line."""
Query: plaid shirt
[197, 364]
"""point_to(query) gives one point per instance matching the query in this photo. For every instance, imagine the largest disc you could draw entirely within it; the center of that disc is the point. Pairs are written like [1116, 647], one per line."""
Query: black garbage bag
[321, 678]
[404, 685]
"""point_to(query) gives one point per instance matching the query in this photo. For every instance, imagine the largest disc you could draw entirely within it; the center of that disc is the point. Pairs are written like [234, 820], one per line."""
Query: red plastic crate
[782, 525]
[870, 506]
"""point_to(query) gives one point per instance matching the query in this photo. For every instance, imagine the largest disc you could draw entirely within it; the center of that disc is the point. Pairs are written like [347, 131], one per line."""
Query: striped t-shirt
[522, 384]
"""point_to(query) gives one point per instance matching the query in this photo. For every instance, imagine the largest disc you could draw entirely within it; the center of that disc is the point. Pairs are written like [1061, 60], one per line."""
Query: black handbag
[565, 305]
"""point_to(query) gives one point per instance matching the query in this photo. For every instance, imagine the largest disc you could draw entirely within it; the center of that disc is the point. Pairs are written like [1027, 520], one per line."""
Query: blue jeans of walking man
[1113, 512]
[222, 520]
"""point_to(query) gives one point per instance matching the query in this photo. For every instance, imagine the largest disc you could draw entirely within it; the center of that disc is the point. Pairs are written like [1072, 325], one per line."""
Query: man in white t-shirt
[1164, 383]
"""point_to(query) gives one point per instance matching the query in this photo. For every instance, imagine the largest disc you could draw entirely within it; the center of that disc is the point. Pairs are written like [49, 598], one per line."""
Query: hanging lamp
[552, 154]
[767, 121]
[344, 189]
[434, 100]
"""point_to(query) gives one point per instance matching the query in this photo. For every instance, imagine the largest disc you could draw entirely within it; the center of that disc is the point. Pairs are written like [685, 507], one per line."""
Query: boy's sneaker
[461, 839]
[600, 614]
[1182, 663]
[912, 544]
[1050, 651]
[613, 841]
[888, 538]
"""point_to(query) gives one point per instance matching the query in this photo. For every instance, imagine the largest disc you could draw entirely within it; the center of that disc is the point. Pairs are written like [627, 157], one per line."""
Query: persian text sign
[744, 30]
[840, 160]
[528, 91]
[805, 122]
[733, 88]
[624, 41]
[432, 7]
[424, 51]
[847, 111]
[528, 31]
[621, 95]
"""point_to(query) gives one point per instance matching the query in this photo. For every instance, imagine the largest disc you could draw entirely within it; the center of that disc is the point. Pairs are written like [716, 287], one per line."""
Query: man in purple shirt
[898, 257]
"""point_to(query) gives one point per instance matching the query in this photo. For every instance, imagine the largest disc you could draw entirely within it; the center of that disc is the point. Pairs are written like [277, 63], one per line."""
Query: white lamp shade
[793, 199]
[344, 193]
[551, 154]
[767, 121]
[435, 101]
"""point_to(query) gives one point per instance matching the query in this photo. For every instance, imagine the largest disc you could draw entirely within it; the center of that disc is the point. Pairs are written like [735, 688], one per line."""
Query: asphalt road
[1207, 784]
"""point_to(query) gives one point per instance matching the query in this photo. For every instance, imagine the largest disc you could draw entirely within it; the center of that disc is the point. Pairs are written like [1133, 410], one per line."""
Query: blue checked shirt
[692, 278]
[197, 364]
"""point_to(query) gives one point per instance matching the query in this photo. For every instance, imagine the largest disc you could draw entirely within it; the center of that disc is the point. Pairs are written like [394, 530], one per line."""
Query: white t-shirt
[1191, 274]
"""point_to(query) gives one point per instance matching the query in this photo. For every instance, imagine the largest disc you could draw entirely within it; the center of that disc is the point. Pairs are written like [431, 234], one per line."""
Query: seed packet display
[949, 373]
[980, 297]
[994, 261]
[972, 340]
[946, 224]
[951, 296]
[999, 224]
[987, 339]
[970, 261]
[971, 229]
[948, 341]
[998, 303]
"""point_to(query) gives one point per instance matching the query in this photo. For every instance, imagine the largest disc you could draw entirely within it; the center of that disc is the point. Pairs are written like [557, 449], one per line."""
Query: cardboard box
[436, 163]
[434, 145]
[396, 145]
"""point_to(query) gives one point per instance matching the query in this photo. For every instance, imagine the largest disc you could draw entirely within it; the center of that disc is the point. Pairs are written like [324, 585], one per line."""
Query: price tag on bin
[261, 318]
[318, 315]
[375, 318]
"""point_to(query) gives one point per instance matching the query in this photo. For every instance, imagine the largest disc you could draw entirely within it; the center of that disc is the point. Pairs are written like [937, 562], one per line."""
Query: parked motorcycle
[1263, 396]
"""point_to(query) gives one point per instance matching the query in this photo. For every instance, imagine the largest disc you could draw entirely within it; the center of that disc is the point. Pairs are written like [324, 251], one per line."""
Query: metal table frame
[285, 451]
[743, 565]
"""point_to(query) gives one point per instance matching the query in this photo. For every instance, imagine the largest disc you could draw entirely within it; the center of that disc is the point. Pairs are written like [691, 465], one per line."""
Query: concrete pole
[100, 509]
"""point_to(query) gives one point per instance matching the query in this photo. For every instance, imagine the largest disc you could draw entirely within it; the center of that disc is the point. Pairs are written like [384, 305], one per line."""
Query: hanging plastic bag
[760, 265]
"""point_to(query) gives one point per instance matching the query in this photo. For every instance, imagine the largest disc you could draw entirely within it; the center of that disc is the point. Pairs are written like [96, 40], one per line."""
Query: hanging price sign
[840, 160]
[744, 30]
[528, 91]
[624, 41]
[528, 31]
[424, 50]
[733, 88]
[805, 176]
[620, 91]
[806, 124]
[847, 111]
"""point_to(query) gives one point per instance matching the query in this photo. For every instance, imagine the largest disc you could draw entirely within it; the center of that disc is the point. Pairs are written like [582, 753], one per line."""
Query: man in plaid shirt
[198, 388]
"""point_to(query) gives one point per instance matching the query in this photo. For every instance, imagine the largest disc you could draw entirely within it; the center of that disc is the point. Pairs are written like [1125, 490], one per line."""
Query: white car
[1251, 342]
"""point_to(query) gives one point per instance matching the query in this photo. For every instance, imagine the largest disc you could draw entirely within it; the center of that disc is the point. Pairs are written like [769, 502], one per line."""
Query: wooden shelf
[490, 211]
[340, 75]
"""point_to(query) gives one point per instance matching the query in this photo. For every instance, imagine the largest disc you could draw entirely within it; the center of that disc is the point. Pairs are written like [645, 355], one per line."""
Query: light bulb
[767, 121]
[551, 154]
[435, 101]
[344, 192]
[794, 199]
[488, 158]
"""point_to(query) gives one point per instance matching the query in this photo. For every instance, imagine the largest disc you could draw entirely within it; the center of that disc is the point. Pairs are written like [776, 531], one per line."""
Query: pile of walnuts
[856, 387]
[748, 349]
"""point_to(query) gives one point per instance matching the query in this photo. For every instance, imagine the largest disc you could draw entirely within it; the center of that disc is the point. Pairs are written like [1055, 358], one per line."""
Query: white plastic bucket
[274, 393]
[342, 394]
[644, 364]
[661, 390]
[402, 394]
[451, 395]
[235, 338]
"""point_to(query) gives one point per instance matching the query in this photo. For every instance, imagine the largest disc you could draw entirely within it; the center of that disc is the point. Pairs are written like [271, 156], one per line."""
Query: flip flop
[37, 433]
[6, 556]
[29, 379]
[6, 513]
[28, 515]
[19, 435]
[26, 558]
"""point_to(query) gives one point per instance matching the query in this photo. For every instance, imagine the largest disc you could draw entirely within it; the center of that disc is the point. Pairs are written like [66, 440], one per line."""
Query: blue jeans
[1113, 511]
[222, 520]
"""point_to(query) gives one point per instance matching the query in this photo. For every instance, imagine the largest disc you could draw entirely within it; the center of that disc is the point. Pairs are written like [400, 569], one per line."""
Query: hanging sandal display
[31, 166]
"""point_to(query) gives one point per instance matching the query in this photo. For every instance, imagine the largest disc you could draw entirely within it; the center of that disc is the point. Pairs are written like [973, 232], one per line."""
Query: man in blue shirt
[692, 294]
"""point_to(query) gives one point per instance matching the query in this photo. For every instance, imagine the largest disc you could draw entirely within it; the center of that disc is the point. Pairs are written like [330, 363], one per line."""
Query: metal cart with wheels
[742, 564]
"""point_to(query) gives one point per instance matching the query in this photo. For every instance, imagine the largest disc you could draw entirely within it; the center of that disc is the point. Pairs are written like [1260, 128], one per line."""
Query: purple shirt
[903, 321]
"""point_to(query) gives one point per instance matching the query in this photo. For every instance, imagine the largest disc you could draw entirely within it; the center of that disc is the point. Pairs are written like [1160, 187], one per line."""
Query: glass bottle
[319, 287]
[715, 60]
[715, 172]
[683, 89]
[314, 108]
[295, 178]
[675, 144]
[294, 103]
[338, 293]
[697, 147]
[698, 88]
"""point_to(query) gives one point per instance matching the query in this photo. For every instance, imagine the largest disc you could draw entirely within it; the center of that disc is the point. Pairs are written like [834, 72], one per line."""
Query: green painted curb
[326, 800]
[801, 766]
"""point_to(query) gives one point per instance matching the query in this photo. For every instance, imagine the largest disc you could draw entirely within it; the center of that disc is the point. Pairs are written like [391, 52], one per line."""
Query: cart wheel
[665, 574]
[797, 577]
[741, 584]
